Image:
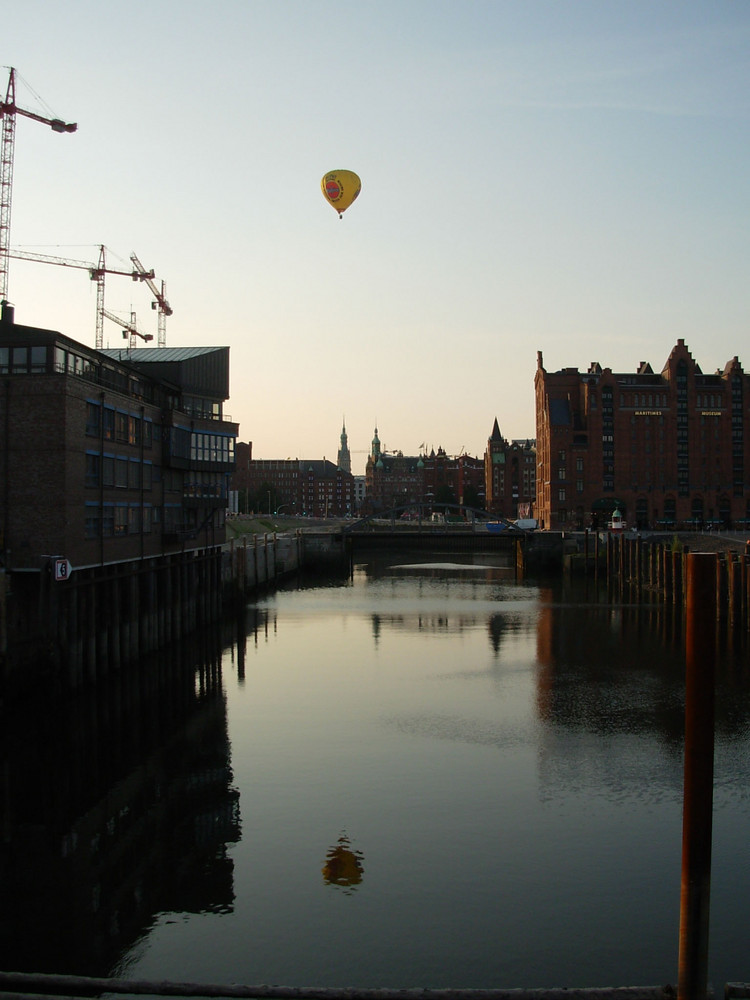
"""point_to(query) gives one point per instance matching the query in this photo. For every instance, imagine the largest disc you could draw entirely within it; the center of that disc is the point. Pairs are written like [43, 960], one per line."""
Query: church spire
[376, 445]
[344, 459]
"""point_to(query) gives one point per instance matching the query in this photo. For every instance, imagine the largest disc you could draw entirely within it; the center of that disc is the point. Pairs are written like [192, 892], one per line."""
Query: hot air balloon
[340, 188]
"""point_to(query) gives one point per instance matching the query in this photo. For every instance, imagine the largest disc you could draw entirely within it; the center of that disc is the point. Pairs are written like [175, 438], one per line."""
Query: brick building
[109, 456]
[313, 488]
[326, 490]
[393, 479]
[510, 475]
[668, 448]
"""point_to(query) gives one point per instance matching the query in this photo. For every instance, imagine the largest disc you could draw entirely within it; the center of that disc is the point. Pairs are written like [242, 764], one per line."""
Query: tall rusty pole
[700, 655]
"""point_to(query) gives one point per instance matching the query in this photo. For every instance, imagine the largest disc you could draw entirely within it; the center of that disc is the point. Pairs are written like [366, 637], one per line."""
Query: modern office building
[667, 449]
[109, 455]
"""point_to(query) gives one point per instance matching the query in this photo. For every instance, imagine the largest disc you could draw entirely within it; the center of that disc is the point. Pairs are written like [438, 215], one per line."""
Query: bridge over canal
[456, 530]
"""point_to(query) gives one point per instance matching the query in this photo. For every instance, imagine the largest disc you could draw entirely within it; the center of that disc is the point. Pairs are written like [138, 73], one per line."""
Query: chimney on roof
[7, 314]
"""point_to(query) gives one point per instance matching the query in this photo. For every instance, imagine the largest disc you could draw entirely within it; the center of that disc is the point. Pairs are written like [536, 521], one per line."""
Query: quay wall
[64, 633]
[656, 569]
[67, 633]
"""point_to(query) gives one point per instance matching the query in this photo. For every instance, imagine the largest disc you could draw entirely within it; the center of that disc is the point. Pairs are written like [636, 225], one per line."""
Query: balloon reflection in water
[343, 866]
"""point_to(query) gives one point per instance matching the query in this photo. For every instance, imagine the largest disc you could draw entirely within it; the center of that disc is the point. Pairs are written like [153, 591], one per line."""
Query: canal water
[425, 775]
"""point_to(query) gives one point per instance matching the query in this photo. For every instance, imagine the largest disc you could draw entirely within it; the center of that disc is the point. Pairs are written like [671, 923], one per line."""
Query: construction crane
[8, 111]
[129, 329]
[96, 273]
[160, 302]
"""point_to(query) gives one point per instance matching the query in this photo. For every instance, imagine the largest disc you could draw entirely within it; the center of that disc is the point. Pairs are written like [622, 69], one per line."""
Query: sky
[564, 177]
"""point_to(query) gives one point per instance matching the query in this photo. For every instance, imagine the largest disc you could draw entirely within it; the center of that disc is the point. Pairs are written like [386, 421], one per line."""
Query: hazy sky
[565, 177]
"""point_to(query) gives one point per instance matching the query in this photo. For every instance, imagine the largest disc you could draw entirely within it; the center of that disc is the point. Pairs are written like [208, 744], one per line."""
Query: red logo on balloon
[333, 190]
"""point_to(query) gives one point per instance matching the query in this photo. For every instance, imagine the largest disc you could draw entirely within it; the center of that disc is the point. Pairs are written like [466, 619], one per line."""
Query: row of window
[117, 520]
[201, 446]
[112, 520]
[23, 360]
[117, 425]
[703, 400]
[121, 472]
[118, 471]
[205, 447]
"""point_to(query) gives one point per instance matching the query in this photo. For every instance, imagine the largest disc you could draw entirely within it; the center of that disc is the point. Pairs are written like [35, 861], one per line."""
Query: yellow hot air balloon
[340, 188]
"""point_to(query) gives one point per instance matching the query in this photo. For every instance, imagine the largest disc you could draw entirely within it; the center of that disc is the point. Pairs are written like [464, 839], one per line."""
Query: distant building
[393, 479]
[360, 488]
[272, 484]
[304, 487]
[457, 479]
[326, 490]
[510, 475]
[667, 449]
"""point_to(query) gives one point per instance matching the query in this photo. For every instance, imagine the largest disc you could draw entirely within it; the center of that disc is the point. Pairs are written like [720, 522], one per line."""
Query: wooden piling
[700, 654]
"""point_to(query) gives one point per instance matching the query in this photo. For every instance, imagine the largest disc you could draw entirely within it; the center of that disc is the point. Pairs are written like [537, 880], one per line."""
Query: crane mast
[8, 111]
[129, 330]
[160, 302]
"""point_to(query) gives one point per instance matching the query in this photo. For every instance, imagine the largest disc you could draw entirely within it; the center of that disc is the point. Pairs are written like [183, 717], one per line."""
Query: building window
[121, 519]
[93, 469]
[19, 360]
[109, 424]
[38, 360]
[108, 470]
[561, 494]
[93, 419]
[121, 473]
[93, 520]
[121, 427]
[134, 519]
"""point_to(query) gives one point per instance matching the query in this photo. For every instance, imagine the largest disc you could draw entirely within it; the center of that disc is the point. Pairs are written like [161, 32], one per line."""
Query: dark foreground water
[425, 776]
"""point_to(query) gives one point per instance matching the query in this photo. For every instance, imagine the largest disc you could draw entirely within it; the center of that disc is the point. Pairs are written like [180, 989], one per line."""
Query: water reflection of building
[115, 808]
[615, 657]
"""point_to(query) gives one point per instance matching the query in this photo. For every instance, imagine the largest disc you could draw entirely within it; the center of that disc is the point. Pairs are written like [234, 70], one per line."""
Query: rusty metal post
[596, 555]
[700, 652]
[586, 552]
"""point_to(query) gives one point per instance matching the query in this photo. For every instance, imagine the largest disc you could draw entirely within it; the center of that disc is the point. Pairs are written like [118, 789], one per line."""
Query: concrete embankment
[256, 561]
